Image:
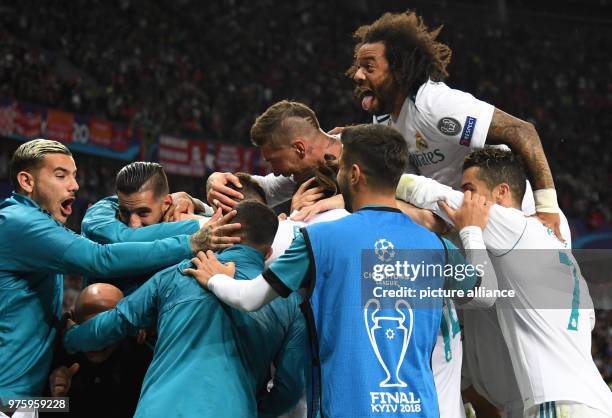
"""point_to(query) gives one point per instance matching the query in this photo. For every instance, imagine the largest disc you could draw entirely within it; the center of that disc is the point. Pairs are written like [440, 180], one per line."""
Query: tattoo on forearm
[522, 139]
[202, 239]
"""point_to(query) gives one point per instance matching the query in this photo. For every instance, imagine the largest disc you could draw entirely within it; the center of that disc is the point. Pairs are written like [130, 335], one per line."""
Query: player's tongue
[367, 102]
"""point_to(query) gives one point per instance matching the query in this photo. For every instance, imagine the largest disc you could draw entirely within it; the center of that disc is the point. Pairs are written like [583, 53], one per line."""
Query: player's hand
[307, 213]
[474, 211]
[221, 196]
[552, 221]
[304, 196]
[60, 379]
[337, 130]
[216, 235]
[207, 266]
[182, 203]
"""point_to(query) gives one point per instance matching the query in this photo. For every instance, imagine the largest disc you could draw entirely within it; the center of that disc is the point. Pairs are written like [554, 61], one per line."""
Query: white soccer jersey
[441, 126]
[547, 325]
[278, 189]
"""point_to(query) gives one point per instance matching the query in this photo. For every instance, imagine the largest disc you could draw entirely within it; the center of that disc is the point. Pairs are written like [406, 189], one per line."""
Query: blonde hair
[31, 154]
[282, 122]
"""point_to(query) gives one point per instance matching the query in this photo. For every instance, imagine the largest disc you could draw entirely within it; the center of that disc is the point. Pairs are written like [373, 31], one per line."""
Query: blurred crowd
[209, 68]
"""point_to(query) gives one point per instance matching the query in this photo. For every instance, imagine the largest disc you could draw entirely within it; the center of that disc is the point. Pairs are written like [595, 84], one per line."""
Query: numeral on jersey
[573, 319]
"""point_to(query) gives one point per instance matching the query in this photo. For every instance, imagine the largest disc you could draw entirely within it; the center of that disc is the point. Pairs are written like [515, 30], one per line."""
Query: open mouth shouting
[367, 98]
[66, 206]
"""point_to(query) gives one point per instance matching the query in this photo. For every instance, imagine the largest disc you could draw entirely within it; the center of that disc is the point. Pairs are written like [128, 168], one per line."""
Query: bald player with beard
[93, 378]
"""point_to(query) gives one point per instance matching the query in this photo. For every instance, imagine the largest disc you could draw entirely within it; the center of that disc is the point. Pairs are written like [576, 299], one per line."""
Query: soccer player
[210, 360]
[93, 379]
[36, 249]
[143, 199]
[137, 214]
[400, 70]
[292, 141]
[547, 326]
[348, 380]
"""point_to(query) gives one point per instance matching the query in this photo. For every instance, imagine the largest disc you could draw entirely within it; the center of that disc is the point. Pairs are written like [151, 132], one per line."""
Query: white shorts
[565, 409]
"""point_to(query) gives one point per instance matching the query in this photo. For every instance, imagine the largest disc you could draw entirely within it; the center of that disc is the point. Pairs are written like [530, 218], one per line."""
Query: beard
[347, 195]
[385, 95]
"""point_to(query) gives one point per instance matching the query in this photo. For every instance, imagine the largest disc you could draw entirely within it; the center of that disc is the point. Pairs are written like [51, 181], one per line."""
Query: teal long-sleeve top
[35, 250]
[209, 359]
[276, 334]
[101, 224]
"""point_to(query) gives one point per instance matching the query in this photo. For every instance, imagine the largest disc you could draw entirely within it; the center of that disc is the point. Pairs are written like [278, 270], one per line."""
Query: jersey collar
[380, 208]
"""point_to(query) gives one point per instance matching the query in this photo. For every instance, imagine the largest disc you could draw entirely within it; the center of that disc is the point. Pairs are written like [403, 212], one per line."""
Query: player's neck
[371, 198]
[397, 107]
[330, 144]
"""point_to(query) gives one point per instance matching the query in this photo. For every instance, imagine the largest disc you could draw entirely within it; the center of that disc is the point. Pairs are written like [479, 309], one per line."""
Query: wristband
[471, 237]
[546, 200]
[406, 186]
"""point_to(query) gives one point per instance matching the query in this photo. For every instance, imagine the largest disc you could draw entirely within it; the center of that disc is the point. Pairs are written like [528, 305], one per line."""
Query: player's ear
[502, 193]
[299, 145]
[167, 201]
[355, 174]
[25, 181]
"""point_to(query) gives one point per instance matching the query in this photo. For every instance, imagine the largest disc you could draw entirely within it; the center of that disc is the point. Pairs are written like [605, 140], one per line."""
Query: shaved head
[96, 298]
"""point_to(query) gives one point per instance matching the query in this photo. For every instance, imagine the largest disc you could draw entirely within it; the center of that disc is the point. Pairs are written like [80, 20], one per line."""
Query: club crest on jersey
[449, 126]
[421, 144]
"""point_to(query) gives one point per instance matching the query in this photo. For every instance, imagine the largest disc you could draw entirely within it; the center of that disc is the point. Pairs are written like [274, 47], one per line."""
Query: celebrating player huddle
[321, 289]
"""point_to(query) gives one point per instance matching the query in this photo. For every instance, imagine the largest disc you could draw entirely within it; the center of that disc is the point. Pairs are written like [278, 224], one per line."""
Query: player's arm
[101, 225]
[477, 270]
[52, 248]
[289, 377]
[134, 312]
[505, 225]
[523, 139]
[277, 189]
[284, 276]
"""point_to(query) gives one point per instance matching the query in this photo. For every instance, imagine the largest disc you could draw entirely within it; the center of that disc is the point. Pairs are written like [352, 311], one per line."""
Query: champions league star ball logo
[384, 250]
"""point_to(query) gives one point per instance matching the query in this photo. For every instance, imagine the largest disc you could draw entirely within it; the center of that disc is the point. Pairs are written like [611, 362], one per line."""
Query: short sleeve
[288, 272]
[449, 115]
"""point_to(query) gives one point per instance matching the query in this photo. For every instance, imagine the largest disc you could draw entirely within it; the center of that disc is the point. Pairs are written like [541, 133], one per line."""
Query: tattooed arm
[217, 234]
[523, 139]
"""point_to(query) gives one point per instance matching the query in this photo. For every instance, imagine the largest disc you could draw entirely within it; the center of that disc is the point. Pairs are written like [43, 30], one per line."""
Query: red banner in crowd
[28, 120]
[59, 125]
[196, 158]
[186, 157]
[87, 134]
[101, 132]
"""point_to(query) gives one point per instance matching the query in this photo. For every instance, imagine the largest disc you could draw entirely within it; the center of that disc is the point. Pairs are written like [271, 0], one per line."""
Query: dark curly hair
[411, 49]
